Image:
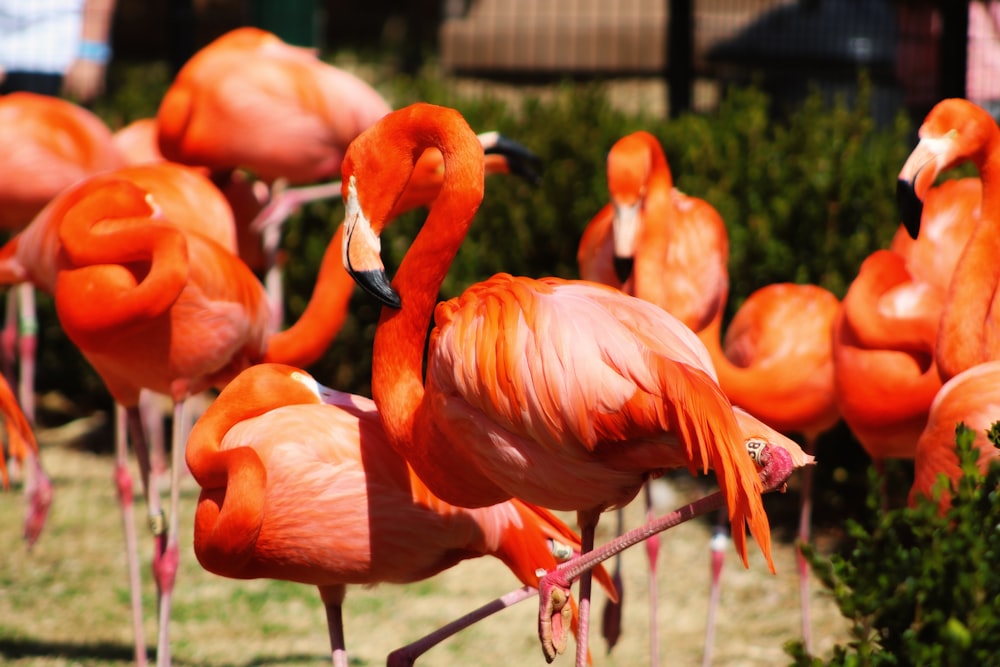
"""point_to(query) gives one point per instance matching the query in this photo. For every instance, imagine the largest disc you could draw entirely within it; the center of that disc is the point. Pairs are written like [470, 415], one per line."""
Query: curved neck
[971, 305]
[135, 268]
[304, 342]
[397, 366]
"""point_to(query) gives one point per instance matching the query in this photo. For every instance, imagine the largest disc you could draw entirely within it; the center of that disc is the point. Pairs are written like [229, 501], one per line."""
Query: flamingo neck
[400, 338]
[972, 304]
[303, 343]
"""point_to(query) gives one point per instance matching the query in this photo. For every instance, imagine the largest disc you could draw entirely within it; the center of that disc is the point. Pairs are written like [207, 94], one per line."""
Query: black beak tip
[910, 206]
[623, 267]
[376, 284]
[521, 161]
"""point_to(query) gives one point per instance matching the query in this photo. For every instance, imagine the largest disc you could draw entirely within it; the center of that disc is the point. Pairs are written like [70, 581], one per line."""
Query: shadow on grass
[104, 652]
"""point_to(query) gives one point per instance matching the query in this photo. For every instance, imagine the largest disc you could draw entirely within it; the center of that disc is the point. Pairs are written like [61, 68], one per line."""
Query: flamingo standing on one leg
[672, 250]
[654, 242]
[250, 101]
[553, 391]
[956, 131]
[300, 483]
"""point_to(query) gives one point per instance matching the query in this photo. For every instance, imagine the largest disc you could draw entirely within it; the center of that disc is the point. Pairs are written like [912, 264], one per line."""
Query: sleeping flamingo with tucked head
[672, 250]
[47, 145]
[300, 483]
[556, 392]
[156, 243]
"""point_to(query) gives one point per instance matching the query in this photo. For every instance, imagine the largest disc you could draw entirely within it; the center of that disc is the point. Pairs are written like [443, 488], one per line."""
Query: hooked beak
[916, 178]
[520, 161]
[361, 252]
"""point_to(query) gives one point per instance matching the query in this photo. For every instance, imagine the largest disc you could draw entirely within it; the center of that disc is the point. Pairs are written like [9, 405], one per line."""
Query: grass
[66, 601]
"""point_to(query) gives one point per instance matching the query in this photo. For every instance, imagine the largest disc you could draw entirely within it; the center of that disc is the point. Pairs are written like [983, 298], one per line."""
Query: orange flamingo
[886, 332]
[672, 250]
[48, 144]
[548, 390]
[158, 242]
[972, 397]
[300, 483]
[956, 131]
[300, 111]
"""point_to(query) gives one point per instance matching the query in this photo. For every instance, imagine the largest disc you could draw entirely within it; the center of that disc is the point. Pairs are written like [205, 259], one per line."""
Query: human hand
[84, 80]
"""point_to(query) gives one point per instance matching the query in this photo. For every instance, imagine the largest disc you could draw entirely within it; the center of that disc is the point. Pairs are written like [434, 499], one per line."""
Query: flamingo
[22, 446]
[299, 111]
[659, 244]
[553, 391]
[185, 214]
[672, 250]
[300, 483]
[956, 131]
[48, 144]
[886, 332]
[972, 397]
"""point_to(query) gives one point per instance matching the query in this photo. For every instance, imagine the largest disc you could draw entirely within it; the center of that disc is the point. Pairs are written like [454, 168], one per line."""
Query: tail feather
[706, 424]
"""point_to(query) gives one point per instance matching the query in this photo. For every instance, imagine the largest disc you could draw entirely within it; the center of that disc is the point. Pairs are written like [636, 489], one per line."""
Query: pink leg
[38, 489]
[27, 348]
[8, 338]
[333, 601]
[611, 620]
[720, 542]
[406, 656]
[165, 567]
[652, 553]
[123, 481]
[805, 523]
[554, 587]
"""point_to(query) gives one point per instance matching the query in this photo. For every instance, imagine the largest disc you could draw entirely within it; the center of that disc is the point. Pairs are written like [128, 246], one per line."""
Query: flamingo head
[955, 131]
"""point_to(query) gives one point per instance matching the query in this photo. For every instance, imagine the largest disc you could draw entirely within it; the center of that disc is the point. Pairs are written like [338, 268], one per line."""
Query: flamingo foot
[611, 620]
[554, 615]
[39, 493]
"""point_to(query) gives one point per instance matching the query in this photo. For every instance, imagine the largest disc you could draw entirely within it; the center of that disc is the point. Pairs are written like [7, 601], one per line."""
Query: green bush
[920, 587]
[805, 198]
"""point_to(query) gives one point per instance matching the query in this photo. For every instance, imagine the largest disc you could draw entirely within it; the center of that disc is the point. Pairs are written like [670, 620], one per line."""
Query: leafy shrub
[920, 587]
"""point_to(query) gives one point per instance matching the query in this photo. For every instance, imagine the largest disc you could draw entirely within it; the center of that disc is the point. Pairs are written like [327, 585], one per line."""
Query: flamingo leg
[554, 586]
[27, 348]
[8, 339]
[406, 656]
[611, 620]
[123, 482]
[588, 526]
[652, 553]
[719, 544]
[333, 601]
[805, 532]
[165, 567]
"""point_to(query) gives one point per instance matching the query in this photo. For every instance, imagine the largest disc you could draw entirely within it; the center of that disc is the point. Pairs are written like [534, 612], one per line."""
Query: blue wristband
[97, 52]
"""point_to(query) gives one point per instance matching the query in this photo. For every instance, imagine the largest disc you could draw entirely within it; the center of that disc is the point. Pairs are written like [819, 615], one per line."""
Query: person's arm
[85, 78]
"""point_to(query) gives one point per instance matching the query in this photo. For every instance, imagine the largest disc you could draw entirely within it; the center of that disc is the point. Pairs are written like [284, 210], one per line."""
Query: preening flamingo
[672, 250]
[47, 144]
[972, 397]
[556, 392]
[956, 131]
[656, 243]
[300, 483]
[250, 101]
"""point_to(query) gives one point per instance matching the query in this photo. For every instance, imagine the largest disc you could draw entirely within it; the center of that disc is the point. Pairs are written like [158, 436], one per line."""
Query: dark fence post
[954, 47]
[680, 55]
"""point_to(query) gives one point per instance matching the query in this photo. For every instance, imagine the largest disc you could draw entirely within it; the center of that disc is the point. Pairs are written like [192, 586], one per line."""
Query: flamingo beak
[361, 252]
[519, 160]
[917, 176]
[624, 230]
